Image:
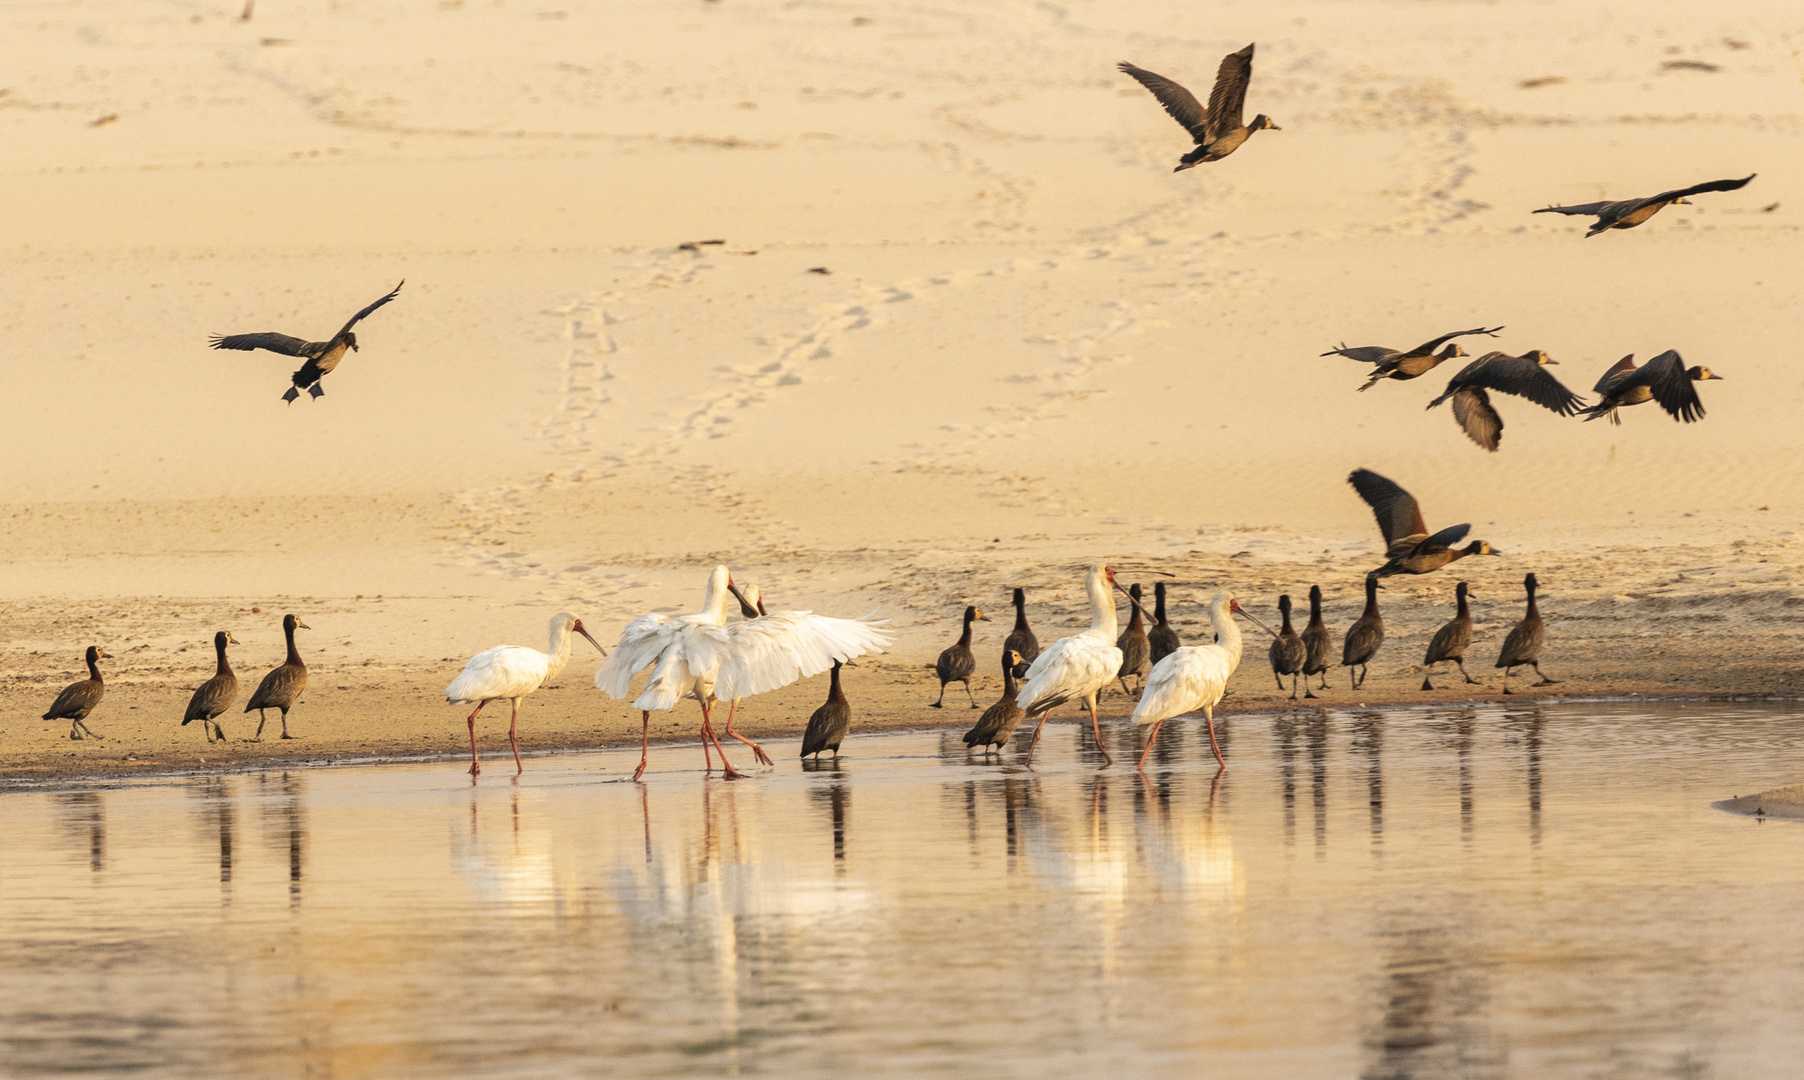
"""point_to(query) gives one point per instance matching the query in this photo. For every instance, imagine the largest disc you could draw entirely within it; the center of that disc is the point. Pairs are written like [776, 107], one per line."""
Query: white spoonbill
[509, 673]
[1194, 677]
[1076, 667]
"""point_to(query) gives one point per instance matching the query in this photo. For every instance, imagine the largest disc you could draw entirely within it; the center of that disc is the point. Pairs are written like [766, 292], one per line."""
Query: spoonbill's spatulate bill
[509, 673]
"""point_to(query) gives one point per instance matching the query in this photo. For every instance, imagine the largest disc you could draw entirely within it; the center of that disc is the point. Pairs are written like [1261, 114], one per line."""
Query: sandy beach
[1035, 348]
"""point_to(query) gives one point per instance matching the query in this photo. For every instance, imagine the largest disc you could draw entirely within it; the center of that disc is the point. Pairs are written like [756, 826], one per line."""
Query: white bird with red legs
[1076, 668]
[1194, 677]
[510, 673]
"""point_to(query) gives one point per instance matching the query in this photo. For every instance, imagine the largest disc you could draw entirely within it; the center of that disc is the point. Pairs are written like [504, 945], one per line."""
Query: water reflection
[1099, 922]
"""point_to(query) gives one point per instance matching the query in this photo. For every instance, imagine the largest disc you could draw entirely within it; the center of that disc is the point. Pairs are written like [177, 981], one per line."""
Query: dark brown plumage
[281, 687]
[78, 699]
[1218, 131]
[1407, 365]
[1523, 646]
[1288, 653]
[998, 722]
[1364, 636]
[958, 662]
[1665, 378]
[1136, 650]
[1525, 376]
[1021, 639]
[828, 726]
[1162, 638]
[1409, 549]
[1450, 641]
[321, 356]
[1317, 645]
[215, 695]
[1628, 213]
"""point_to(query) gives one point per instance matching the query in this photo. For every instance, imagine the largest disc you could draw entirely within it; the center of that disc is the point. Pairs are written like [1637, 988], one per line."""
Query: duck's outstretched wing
[1180, 103]
[1227, 101]
[1524, 378]
[361, 315]
[1672, 387]
[276, 343]
[1615, 375]
[1399, 516]
[1472, 411]
[1590, 209]
[1371, 354]
[1428, 347]
[1699, 189]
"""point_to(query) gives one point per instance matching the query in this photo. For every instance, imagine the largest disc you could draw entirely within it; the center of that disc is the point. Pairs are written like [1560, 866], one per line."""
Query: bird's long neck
[224, 668]
[1315, 609]
[964, 639]
[1463, 612]
[1020, 612]
[1159, 605]
[1371, 598]
[1284, 613]
[294, 655]
[714, 602]
[1533, 611]
[1009, 688]
[1227, 635]
[559, 653]
[93, 669]
[1135, 623]
[1102, 608]
[834, 693]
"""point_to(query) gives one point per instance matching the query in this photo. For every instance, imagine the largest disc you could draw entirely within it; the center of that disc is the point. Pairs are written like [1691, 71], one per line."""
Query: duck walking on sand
[78, 699]
[1628, 213]
[1134, 645]
[1450, 641]
[1218, 131]
[1317, 645]
[1288, 653]
[828, 726]
[214, 696]
[281, 687]
[1364, 636]
[1162, 639]
[1665, 378]
[1021, 639]
[510, 673]
[1523, 646]
[1076, 668]
[321, 356]
[1194, 677]
[1524, 376]
[957, 663]
[1409, 549]
[1409, 364]
[998, 722]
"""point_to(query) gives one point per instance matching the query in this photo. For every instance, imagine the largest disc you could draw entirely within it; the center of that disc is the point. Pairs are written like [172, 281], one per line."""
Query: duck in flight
[1218, 131]
[1418, 361]
[1409, 548]
[1525, 376]
[1665, 378]
[321, 356]
[1628, 213]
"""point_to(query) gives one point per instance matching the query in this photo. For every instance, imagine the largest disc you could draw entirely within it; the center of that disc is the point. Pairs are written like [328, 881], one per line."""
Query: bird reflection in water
[837, 796]
[1368, 739]
[1528, 727]
[1285, 727]
[1315, 732]
[84, 815]
[1436, 998]
[218, 813]
[285, 823]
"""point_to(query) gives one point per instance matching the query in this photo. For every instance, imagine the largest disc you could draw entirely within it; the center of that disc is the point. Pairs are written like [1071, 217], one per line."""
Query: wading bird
[1524, 376]
[1317, 644]
[78, 699]
[1076, 668]
[1665, 379]
[1288, 653]
[1364, 636]
[321, 356]
[509, 673]
[999, 721]
[1194, 677]
[1451, 641]
[751, 606]
[1523, 646]
[1162, 639]
[1218, 131]
[828, 726]
[1409, 549]
[214, 696]
[1392, 364]
[282, 686]
[1021, 639]
[1628, 213]
[957, 663]
[1134, 646]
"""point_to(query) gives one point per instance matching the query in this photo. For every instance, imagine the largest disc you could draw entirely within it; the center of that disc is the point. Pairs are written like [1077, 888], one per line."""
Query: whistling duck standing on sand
[958, 662]
[282, 686]
[1364, 636]
[1450, 641]
[1523, 646]
[78, 699]
[1288, 653]
[1134, 646]
[1317, 644]
[1021, 639]
[215, 695]
[1162, 638]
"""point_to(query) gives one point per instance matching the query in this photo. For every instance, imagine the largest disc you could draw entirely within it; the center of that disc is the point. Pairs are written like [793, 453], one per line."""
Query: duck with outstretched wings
[1409, 548]
[321, 356]
[1219, 129]
[1628, 213]
[1665, 379]
[1524, 376]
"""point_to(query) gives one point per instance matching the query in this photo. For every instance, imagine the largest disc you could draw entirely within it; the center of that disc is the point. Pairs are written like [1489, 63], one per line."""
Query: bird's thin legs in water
[1209, 718]
[763, 758]
[1096, 727]
[1469, 678]
[1029, 760]
[513, 739]
[726, 767]
[1150, 738]
[644, 742]
[475, 762]
[1545, 681]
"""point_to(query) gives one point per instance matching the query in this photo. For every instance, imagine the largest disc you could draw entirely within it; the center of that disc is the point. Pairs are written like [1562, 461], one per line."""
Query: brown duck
[78, 699]
[998, 722]
[1665, 378]
[1451, 641]
[214, 696]
[281, 687]
[1409, 548]
[1524, 376]
[1523, 646]
[1162, 638]
[958, 662]
[1021, 639]
[1218, 131]
[1135, 647]
[1411, 364]
[321, 356]
[1364, 636]
[828, 726]
[1317, 645]
[1288, 653]
[1628, 213]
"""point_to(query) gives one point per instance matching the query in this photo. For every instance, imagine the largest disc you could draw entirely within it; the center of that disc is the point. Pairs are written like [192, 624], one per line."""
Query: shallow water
[1542, 891]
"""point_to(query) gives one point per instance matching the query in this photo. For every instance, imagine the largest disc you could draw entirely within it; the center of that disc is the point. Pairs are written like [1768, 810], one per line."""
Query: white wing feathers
[640, 643]
[773, 651]
[1071, 668]
[505, 671]
[1184, 682]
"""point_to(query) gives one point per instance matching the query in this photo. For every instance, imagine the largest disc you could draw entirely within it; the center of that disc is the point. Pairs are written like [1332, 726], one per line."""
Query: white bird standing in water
[511, 672]
[1076, 667]
[1193, 677]
[698, 656]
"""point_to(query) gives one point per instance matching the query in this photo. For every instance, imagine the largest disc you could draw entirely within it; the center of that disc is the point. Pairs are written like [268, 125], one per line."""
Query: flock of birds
[706, 658]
